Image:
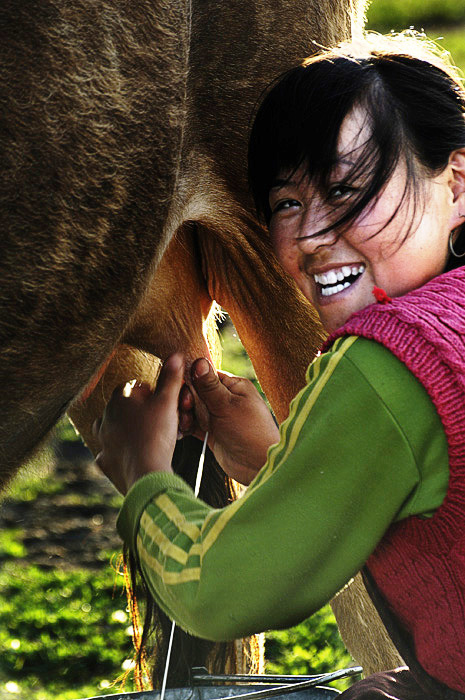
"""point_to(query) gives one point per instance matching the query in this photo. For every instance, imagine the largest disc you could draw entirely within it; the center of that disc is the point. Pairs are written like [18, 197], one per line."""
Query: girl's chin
[333, 316]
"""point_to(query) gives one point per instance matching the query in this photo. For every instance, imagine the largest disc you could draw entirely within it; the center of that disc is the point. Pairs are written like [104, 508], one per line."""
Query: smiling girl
[357, 165]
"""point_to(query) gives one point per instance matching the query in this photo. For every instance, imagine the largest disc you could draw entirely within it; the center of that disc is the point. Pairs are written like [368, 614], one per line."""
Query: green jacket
[362, 447]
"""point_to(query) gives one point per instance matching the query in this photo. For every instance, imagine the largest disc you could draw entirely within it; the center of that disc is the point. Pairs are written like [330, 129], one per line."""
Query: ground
[71, 521]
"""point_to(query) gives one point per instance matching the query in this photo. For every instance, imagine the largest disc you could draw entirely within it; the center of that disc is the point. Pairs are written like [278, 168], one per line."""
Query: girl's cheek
[287, 261]
[287, 253]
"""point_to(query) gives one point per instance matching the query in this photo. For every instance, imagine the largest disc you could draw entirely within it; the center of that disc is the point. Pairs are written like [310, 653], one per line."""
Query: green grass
[313, 646]
[11, 546]
[384, 15]
[442, 20]
[63, 634]
[32, 479]
[235, 359]
[453, 40]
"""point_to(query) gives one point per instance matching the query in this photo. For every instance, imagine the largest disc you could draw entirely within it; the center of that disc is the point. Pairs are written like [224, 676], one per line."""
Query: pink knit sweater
[419, 566]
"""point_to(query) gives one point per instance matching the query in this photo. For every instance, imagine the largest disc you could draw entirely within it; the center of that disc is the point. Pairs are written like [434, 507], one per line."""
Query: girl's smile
[396, 243]
[337, 279]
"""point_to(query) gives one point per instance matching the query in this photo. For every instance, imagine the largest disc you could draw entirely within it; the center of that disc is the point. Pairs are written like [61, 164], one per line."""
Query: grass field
[385, 15]
[443, 21]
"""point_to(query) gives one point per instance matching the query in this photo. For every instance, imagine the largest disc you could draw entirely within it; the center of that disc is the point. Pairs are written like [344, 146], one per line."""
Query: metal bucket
[214, 688]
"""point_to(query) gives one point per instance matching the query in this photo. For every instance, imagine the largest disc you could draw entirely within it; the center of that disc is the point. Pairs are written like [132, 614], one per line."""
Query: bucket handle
[291, 686]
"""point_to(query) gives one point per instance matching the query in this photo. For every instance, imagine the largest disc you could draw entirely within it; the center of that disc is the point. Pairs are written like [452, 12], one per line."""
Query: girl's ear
[457, 186]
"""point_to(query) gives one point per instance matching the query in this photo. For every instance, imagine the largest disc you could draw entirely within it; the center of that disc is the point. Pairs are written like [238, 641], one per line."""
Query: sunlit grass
[453, 40]
[385, 15]
[63, 634]
[442, 21]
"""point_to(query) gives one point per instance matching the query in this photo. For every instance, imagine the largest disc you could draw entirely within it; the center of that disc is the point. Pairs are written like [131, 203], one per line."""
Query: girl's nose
[315, 233]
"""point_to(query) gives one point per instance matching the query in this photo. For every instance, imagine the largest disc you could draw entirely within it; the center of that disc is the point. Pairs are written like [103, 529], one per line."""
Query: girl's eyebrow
[280, 183]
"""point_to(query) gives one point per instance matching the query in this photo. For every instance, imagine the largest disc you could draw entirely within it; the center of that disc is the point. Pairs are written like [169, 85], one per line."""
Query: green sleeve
[343, 470]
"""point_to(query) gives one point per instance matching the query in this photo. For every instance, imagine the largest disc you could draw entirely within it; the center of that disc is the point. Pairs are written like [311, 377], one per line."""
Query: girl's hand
[240, 426]
[138, 432]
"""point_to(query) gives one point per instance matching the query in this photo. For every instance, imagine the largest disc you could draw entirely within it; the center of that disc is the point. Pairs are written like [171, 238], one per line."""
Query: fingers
[186, 399]
[188, 418]
[201, 368]
[168, 386]
[236, 385]
[137, 393]
[140, 390]
[208, 383]
[186, 410]
[208, 386]
[171, 378]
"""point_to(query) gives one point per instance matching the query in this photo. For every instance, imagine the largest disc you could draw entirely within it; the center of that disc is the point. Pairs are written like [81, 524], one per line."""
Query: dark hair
[414, 100]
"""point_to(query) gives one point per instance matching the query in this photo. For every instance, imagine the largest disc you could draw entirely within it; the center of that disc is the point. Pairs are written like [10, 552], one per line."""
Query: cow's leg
[362, 630]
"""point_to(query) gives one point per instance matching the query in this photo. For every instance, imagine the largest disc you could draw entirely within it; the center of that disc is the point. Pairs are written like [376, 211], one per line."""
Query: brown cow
[121, 124]
[124, 128]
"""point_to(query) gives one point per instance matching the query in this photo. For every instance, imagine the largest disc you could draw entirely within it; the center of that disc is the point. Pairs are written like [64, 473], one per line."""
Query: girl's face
[338, 273]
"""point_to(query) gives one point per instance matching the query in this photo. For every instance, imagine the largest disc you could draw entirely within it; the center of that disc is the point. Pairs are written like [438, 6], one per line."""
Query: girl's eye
[340, 190]
[285, 205]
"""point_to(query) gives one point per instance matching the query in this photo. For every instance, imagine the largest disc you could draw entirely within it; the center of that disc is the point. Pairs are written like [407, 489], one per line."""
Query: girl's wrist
[138, 471]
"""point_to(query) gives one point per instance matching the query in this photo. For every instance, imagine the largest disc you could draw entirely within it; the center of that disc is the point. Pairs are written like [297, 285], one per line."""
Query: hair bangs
[298, 124]
[374, 161]
[297, 128]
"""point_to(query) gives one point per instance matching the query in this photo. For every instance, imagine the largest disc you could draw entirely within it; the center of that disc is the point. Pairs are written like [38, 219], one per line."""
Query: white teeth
[328, 291]
[338, 274]
[331, 277]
